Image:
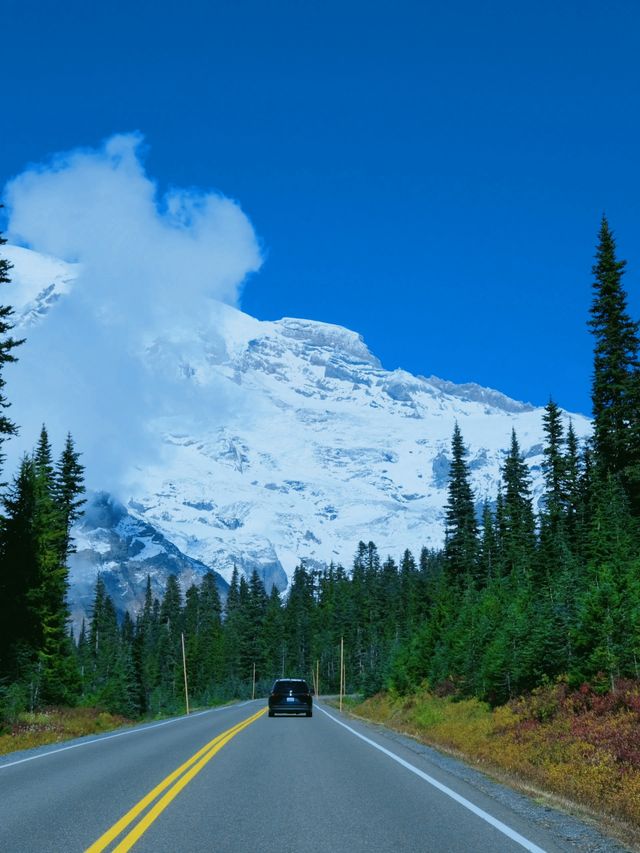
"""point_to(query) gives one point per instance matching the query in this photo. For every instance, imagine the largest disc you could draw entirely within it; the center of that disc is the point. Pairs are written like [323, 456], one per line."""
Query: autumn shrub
[52, 725]
[583, 745]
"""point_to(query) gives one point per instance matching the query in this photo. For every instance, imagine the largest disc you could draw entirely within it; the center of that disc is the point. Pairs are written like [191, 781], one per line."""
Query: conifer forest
[519, 595]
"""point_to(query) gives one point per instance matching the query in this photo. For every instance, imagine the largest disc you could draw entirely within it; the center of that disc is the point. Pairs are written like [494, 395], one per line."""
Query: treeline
[519, 596]
[527, 596]
[37, 656]
[136, 666]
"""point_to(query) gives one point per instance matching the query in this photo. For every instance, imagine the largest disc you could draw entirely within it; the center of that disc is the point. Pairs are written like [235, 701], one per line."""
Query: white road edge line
[133, 731]
[497, 824]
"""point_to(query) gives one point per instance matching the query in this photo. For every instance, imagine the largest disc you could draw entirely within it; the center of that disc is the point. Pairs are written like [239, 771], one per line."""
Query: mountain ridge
[286, 440]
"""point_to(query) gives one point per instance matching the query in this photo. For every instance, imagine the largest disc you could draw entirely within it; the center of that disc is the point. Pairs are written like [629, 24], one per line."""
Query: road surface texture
[233, 780]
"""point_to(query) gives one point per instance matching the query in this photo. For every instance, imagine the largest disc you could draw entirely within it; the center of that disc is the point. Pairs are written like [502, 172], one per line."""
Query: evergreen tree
[461, 531]
[615, 386]
[488, 550]
[7, 345]
[603, 631]
[573, 489]
[68, 488]
[516, 520]
[19, 574]
[274, 637]
[554, 464]
[43, 458]
[210, 649]
[145, 649]
[170, 643]
[409, 608]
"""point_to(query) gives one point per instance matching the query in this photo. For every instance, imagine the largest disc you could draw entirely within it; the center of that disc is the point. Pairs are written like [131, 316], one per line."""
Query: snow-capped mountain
[125, 550]
[291, 441]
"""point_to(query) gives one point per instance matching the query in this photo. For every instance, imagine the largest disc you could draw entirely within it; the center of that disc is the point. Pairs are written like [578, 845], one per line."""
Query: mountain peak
[336, 340]
[293, 442]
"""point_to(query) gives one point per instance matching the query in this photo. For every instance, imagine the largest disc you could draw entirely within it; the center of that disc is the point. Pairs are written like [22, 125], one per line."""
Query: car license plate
[290, 699]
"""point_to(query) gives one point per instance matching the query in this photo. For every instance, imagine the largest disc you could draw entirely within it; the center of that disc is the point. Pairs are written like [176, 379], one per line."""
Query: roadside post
[341, 670]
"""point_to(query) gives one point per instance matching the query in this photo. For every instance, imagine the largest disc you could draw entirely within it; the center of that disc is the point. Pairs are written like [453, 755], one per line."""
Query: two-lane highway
[231, 779]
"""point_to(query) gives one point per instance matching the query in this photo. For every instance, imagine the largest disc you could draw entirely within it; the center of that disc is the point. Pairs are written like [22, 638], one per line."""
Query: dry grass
[53, 725]
[581, 747]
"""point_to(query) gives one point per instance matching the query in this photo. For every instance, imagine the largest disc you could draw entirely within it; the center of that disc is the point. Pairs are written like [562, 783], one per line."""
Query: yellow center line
[199, 759]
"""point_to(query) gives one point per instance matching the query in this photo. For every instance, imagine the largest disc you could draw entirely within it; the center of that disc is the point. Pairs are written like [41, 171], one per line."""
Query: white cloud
[152, 269]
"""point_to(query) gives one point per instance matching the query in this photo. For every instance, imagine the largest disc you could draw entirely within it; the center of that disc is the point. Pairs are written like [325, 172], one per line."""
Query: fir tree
[210, 649]
[461, 532]
[19, 573]
[516, 519]
[7, 345]
[146, 647]
[68, 488]
[488, 551]
[615, 383]
[553, 466]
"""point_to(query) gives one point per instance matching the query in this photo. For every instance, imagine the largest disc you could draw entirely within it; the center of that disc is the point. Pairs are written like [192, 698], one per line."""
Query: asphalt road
[231, 779]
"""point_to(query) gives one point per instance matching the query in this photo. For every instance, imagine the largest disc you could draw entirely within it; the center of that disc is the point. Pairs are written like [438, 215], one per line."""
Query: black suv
[290, 696]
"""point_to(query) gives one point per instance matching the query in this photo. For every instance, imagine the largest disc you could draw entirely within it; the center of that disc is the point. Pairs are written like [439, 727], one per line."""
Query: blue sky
[431, 175]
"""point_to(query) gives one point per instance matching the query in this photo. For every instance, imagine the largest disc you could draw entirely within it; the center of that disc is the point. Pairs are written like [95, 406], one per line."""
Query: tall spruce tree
[461, 543]
[615, 391]
[517, 523]
[553, 465]
[68, 488]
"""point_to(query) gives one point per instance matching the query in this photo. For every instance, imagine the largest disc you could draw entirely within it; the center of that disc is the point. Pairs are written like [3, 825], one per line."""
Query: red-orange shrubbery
[609, 722]
[583, 745]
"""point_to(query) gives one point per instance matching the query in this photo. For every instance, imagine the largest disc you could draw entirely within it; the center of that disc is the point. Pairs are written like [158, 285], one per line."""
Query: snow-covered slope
[125, 550]
[38, 282]
[314, 445]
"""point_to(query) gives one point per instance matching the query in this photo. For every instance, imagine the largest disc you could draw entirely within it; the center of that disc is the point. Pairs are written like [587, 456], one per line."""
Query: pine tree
[273, 629]
[191, 624]
[210, 648]
[233, 629]
[603, 631]
[299, 623]
[409, 594]
[553, 465]
[68, 487]
[7, 345]
[255, 652]
[516, 520]
[19, 573]
[461, 532]
[145, 649]
[573, 488]
[615, 387]
[488, 550]
[170, 642]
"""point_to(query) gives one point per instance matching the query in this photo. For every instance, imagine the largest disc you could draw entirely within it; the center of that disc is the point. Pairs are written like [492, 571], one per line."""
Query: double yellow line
[175, 782]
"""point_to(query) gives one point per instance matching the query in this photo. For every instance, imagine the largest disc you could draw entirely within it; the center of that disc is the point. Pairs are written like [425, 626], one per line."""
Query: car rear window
[294, 686]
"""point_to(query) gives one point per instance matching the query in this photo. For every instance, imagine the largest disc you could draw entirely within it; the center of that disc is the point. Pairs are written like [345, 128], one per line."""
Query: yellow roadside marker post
[341, 670]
